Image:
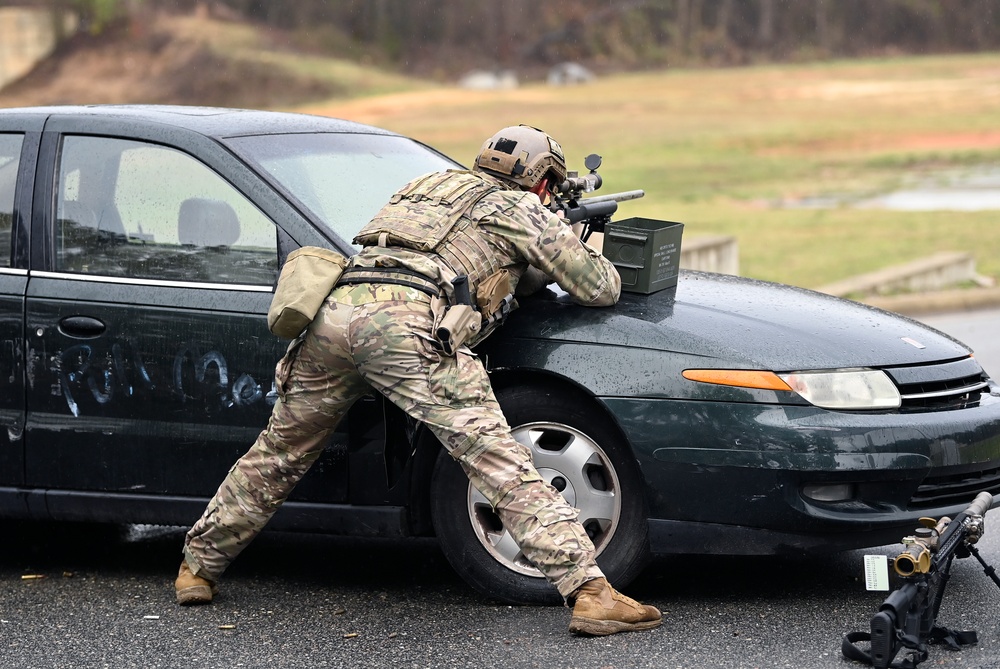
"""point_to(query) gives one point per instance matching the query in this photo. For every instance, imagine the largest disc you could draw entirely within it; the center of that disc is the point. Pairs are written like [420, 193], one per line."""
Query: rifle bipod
[987, 569]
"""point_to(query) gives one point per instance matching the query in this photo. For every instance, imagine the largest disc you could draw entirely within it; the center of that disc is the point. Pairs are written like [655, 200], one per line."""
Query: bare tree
[765, 23]
[459, 33]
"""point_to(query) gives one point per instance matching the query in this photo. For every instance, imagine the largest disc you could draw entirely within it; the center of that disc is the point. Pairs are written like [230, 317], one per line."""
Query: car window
[144, 211]
[10, 155]
[343, 179]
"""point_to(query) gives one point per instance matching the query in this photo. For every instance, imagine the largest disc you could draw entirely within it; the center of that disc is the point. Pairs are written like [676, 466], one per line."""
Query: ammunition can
[646, 252]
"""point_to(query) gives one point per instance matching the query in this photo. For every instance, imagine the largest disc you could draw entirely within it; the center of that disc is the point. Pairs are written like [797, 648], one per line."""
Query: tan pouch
[492, 292]
[309, 274]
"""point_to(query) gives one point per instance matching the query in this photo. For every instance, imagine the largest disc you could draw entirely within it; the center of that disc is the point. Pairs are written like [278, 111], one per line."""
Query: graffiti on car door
[85, 374]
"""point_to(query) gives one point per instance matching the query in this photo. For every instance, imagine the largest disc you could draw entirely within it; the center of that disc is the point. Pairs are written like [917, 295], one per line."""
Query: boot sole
[591, 627]
[196, 594]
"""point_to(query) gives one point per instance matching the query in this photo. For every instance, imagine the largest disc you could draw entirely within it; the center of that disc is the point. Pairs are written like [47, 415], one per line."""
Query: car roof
[210, 121]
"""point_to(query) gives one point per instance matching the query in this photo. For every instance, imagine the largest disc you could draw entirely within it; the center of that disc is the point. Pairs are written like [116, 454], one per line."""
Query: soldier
[380, 328]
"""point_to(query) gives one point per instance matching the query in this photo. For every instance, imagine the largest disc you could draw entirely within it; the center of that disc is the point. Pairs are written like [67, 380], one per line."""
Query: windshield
[342, 179]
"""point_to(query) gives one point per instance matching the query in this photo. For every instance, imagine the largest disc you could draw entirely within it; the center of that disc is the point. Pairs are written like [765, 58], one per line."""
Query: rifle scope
[916, 559]
[588, 183]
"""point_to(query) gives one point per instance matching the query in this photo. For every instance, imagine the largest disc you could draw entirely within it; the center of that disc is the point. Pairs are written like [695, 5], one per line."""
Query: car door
[18, 143]
[151, 365]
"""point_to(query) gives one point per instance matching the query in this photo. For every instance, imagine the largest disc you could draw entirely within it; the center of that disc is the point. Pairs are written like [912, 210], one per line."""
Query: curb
[937, 301]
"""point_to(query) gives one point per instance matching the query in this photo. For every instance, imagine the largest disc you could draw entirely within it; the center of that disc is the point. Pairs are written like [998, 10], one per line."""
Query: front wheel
[576, 450]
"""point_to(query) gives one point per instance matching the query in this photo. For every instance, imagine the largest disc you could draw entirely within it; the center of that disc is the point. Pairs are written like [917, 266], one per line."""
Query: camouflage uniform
[380, 335]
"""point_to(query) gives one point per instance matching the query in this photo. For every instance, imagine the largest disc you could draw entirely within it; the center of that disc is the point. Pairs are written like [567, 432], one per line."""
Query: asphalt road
[978, 329]
[301, 601]
[105, 599]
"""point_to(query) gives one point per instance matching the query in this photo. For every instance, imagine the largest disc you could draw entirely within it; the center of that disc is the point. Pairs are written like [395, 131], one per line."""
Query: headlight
[841, 389]
[845, 389]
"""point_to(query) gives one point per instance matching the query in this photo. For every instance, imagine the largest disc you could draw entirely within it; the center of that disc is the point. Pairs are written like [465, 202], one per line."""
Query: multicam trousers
[379, 336]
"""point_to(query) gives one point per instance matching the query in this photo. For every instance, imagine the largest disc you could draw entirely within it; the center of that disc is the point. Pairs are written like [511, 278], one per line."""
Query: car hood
[743, 323]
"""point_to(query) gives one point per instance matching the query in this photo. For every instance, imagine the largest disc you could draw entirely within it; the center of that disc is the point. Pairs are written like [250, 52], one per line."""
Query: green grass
[721, 150]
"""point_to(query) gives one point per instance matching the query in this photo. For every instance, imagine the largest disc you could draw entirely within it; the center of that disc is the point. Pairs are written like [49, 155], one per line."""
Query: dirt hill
[195, 60]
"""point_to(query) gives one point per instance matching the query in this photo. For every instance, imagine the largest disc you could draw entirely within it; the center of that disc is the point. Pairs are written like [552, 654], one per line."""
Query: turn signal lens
[741, 378]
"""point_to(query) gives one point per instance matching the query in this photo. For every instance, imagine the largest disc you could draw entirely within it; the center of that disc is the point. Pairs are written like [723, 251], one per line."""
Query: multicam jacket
[446, 224]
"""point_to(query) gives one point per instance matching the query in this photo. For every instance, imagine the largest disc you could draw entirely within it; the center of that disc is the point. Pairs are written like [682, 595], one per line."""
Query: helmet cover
[524, 155]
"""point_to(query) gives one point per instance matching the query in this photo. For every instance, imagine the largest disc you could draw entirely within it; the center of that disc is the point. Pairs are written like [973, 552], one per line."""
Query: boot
[601, 610]
[193, 589]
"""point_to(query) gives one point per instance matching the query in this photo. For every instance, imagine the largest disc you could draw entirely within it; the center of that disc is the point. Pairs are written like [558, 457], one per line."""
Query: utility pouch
[493, 292]
[309, 274]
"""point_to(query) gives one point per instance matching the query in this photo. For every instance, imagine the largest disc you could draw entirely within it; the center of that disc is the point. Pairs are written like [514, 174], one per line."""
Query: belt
[399, 276]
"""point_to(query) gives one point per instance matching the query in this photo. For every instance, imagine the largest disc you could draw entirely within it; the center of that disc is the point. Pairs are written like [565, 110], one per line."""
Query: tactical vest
[432, 215]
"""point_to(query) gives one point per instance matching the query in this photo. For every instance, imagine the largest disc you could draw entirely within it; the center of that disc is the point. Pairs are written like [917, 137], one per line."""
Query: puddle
[952, 190]
[952, 199]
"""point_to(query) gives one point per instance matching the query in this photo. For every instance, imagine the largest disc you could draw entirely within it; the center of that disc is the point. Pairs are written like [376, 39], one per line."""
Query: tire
[577, 449]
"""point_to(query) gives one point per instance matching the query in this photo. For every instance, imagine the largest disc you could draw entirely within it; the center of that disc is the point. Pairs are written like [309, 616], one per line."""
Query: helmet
[524, 155]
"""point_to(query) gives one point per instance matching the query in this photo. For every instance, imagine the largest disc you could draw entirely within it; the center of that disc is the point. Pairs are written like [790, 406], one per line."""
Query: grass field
[724, 151]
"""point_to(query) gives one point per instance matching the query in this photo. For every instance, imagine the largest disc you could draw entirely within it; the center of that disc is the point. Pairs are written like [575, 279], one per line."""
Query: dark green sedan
[723, 415]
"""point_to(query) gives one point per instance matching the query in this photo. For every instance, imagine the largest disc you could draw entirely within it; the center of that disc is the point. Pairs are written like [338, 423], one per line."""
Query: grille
[942, 394]
[956, 488]
[947, 385]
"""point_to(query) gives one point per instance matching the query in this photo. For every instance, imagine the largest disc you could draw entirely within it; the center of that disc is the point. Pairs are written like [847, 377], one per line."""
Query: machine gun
[593, 212]
[907, 618]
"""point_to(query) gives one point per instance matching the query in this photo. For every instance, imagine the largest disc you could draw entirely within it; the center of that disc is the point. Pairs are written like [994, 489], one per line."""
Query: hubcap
[574, 465]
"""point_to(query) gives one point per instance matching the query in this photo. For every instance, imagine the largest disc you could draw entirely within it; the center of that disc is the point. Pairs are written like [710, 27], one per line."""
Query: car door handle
[83, 327]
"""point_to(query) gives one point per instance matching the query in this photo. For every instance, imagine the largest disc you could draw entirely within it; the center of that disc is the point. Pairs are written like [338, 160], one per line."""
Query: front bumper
[728, 478]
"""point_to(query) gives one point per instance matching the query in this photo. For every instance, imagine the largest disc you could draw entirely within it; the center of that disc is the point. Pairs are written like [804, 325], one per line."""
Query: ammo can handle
[616, 234]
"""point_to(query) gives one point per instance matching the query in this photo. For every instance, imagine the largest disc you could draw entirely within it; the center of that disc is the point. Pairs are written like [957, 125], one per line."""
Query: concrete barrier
[941, 270]
[711, 254]
[935, 302]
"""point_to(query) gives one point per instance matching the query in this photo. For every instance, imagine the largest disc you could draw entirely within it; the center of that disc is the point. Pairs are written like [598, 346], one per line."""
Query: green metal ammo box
[646, 252]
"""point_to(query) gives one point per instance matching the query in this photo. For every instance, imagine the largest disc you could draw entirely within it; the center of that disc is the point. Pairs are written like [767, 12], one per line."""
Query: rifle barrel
[614, 197]
[959, 531]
